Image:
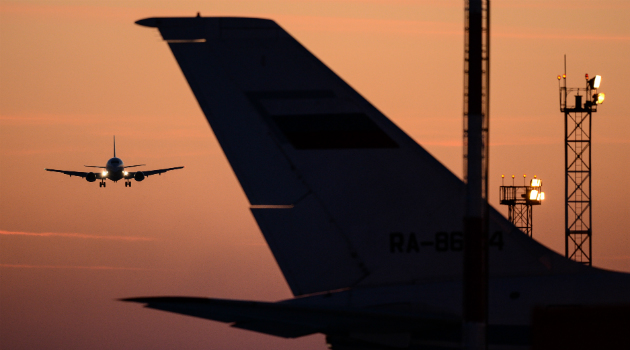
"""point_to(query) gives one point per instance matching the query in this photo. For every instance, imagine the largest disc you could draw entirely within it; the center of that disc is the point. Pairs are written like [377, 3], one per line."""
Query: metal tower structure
[520, 201]
[577, 160]
[476, 108]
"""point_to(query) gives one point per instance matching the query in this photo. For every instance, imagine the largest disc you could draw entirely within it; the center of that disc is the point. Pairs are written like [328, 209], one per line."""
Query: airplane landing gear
[102, 184]
[127, 183]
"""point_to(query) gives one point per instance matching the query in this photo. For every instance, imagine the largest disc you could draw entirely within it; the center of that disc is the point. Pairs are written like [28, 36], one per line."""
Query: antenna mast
[476, 114]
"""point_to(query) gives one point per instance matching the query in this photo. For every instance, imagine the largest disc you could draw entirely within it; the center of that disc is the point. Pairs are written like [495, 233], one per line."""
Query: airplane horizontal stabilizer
[290, 321]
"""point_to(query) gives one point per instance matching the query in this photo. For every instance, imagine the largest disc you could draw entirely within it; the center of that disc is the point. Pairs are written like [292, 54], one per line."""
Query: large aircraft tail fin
[342, 195]
[114, 146]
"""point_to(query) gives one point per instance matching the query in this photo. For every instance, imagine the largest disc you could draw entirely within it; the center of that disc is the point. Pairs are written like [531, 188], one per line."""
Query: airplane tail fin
[114, 146]
[342, 195]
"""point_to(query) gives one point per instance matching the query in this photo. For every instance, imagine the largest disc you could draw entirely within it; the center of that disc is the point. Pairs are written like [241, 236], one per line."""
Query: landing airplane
[365, 224]
[114, 170]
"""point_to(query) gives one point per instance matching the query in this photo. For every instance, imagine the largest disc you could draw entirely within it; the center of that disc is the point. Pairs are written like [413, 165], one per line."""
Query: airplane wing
[288, 320]
[76, 173]
[154, 172]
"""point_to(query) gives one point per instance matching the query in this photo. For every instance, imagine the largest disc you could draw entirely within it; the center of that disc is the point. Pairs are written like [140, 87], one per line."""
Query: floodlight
[536, 183]
[599, 98]
[541, 196]
[594, 83]
[533, 195]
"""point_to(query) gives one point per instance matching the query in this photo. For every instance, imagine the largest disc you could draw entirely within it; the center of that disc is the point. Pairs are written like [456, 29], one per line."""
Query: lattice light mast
[520, 201]
[577, 160]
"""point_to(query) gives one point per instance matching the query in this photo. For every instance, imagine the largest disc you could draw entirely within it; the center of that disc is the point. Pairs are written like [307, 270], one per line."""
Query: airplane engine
[138, 176]
[91, 177]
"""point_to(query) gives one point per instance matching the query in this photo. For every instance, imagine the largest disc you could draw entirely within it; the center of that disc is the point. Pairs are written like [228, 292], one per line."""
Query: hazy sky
[74, 73]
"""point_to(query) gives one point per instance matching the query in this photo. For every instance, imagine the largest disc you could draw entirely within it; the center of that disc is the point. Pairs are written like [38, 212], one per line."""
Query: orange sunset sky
[75, 73]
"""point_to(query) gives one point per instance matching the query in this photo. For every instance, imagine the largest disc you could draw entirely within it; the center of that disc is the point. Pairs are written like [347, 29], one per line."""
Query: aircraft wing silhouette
[76, 173]
[98, 175]
[154, 172]
[290, 320]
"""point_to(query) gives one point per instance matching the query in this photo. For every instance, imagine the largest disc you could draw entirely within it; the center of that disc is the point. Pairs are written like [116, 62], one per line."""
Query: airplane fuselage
[115, 170]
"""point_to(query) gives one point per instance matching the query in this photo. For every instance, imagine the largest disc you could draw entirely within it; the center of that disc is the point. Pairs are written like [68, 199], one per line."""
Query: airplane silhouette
[364, 223]
[114, 170]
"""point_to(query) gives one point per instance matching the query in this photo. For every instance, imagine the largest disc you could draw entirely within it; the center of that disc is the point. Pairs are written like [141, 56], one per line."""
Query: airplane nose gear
[102, 184]
[127, 183]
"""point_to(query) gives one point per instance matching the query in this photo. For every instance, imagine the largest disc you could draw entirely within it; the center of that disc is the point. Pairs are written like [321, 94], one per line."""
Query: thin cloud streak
[22, 266]
[410, 27]
[617, 257]
[559, 4]
[39, 119]
[444, 143]
[514, 142]
[310, 23]
[536, 4]
[174, 133]
[31, 152]
[367, 25]
[49, 119]
[70, 11]
[75, 235]
[525, 35]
